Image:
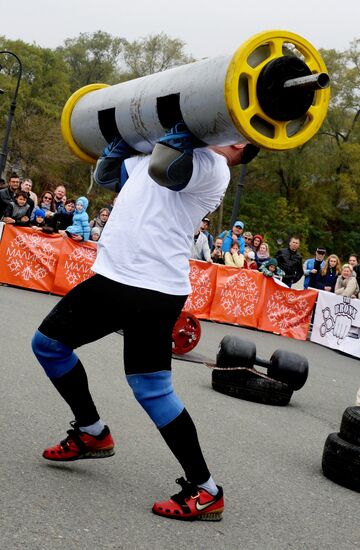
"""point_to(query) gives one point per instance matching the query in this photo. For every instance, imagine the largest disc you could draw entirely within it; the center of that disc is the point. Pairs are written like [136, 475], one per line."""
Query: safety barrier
[50, 263]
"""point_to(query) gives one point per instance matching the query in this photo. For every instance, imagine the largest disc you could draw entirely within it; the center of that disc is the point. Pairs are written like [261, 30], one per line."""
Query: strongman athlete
[166, 193]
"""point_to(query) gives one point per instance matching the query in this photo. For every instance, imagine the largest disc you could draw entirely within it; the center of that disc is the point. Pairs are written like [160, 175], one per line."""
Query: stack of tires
[341, 456]
[235, 375]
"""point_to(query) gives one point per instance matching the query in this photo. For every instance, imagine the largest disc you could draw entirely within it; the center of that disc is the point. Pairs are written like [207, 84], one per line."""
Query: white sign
[337, 323]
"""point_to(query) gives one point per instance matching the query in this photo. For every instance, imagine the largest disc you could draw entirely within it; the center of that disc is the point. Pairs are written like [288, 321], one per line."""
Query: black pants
[100, 306]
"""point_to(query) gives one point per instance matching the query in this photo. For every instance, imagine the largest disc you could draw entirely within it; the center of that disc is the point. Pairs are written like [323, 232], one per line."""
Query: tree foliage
[91, 58]
[153, 54]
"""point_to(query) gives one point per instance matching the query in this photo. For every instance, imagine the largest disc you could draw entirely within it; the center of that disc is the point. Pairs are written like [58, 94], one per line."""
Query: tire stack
[341, 456]
[235, 375]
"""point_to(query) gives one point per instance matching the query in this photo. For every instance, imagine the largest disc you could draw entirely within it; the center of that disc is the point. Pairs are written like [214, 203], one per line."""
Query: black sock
[181, 437]
[74, 388]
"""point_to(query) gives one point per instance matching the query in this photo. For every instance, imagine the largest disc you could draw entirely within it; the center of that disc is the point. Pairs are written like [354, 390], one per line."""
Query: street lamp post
[4, 149]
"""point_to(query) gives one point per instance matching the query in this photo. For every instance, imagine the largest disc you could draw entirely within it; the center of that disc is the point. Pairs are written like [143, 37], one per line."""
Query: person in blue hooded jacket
[80, 225]
[232, 236]
[313, 266]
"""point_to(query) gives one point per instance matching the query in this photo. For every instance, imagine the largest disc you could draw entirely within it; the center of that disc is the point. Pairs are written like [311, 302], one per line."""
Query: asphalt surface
[267, 458]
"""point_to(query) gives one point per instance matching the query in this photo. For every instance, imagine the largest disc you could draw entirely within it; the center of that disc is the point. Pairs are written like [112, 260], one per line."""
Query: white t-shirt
[147, 240]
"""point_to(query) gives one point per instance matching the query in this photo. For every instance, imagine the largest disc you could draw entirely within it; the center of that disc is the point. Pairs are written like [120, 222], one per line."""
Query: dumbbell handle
[262, 362]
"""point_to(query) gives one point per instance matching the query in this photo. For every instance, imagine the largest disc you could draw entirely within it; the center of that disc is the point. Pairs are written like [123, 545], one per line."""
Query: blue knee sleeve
[155, 393]
[55, 358]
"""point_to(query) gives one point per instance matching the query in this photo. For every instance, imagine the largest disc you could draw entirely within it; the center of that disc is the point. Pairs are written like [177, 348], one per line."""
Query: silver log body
[200, 90]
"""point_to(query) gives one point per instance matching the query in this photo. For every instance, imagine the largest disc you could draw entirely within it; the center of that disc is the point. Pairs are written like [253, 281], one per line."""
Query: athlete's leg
[69, 326]
[149, 327]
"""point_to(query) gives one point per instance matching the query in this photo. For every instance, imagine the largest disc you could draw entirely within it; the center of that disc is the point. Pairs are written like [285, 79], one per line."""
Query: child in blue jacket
[80, 224]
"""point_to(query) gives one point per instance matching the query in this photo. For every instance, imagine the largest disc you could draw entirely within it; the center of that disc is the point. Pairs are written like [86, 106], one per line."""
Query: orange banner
[52, 263]
[286, 311]
[203, 283]
[237, 296]
[74, 266]
[29, 259]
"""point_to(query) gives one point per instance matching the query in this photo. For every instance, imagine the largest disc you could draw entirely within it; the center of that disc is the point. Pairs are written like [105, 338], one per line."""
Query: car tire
[251, 386]
[341, 462]
[350, 425]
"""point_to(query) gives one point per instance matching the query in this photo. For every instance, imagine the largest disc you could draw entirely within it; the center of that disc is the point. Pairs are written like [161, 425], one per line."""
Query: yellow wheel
[262, 110]
[66, 121]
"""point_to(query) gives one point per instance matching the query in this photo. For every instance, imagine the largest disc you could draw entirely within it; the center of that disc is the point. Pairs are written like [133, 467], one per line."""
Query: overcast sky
[209, 28]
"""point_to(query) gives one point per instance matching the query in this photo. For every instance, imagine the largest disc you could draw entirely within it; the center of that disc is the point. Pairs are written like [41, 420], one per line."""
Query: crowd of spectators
[243, 250]
[51, 212]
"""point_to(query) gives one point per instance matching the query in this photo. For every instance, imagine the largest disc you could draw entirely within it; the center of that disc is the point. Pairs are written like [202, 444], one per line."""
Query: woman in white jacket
[346, 284]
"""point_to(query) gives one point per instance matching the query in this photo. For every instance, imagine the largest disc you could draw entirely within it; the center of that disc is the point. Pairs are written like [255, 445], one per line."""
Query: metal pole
[239, 189]
[4, 149]
[317, 81]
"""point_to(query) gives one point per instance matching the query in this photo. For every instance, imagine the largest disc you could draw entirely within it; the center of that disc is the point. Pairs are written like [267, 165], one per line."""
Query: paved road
[267, 458]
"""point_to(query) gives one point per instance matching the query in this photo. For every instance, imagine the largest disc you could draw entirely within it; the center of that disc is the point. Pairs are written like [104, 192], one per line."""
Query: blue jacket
[228, 241]
[308, 266]
[80, 223]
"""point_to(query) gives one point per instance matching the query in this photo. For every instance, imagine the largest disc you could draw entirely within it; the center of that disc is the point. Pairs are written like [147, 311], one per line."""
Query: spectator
[95, 234]
[46, 203]
[59, 198]
[326, 278]
[262, 255]
[101, 219]
[248, 238]
[7, 195]
[38, 222]
[27, 185]
[346, 284]
[354, 262]
[270, 268]
[17, 212]
[290, 261]
[313, 266]
[200, 247]
[61, 219]
[217, 254]
[249, 255]
[204, 227]
[80, 228]
[234, 258]
[232, 236]
[257, 240]
[2, 183]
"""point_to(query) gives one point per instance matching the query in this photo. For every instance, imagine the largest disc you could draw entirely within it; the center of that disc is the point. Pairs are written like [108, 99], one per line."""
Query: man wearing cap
[312, 266]
[234, 235]
[204, 228]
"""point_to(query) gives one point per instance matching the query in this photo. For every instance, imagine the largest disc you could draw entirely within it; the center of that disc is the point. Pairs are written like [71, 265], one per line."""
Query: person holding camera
[217, 254]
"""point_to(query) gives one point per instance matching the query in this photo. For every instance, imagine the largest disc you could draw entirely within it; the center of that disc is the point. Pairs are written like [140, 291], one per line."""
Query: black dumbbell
[284, 366]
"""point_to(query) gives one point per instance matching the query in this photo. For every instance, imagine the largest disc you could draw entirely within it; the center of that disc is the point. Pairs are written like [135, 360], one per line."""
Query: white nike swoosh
[200, 507]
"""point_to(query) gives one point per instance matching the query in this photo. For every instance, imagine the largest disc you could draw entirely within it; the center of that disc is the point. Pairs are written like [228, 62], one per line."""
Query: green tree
[152, 54]
[92, 58]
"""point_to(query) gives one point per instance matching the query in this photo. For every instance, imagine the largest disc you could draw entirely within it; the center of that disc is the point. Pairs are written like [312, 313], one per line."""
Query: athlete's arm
[171, 163]
[110, 171]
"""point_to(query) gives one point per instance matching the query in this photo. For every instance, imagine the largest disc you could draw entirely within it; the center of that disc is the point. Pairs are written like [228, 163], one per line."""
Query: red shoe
[79, 445]
[192, 503]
